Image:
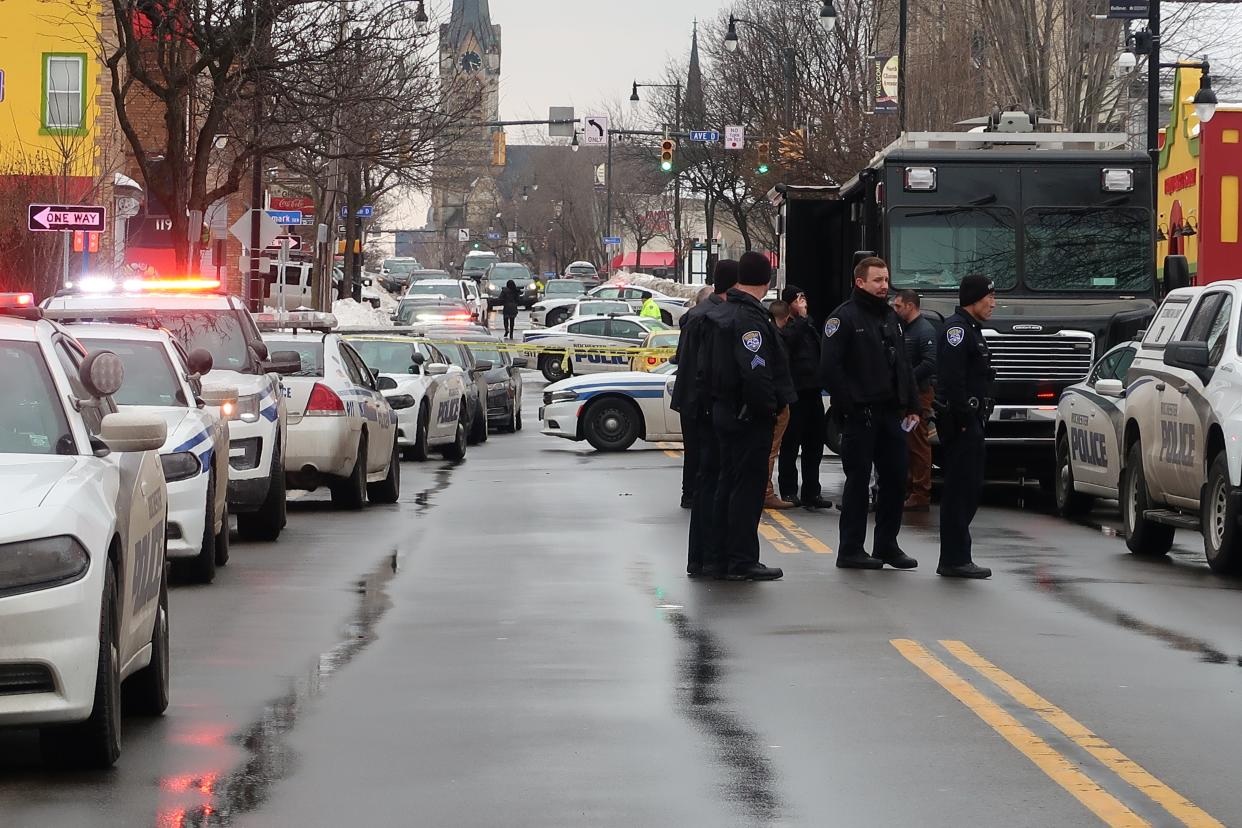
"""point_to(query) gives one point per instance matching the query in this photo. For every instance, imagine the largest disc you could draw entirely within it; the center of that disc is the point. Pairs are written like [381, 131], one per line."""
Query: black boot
[813, 504]
[970, 570]
[859, 560]
[756, 572]
[896, 559]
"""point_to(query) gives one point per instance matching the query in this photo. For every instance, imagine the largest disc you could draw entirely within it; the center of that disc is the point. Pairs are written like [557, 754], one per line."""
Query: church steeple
[695, 104]
[471, 17]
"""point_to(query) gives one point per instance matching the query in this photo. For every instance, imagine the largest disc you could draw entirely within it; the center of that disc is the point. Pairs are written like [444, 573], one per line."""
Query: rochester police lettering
[1177, 442]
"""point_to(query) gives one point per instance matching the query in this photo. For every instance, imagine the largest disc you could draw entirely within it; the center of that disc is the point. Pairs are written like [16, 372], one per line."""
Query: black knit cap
[973, 288]
[725, 275]
[754, 269]
[790, 294]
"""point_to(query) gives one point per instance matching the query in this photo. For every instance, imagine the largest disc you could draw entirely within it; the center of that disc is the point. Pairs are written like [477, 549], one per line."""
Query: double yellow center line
[787, 537]
[1075, 778]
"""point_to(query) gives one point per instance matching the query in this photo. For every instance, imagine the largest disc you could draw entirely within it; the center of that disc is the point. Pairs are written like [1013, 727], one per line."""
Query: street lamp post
[634, 100]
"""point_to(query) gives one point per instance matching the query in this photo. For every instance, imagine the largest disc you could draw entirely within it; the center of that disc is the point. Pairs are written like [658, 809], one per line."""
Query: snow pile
[666, 286]
[351, 314]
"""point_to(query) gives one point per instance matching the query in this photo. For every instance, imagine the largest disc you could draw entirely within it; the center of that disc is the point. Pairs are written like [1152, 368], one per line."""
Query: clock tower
[470, 79]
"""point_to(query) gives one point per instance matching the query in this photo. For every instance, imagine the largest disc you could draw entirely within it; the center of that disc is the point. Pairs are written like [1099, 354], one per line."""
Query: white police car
[342, 431]
[83, 597]
[1089, 420]
[221, 325]
[160, 377]
[588, 345]
[612, 412]
[552, 312]
[412, 366]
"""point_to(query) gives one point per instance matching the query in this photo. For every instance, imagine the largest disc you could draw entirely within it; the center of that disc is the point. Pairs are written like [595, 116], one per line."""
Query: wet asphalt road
[515, 644]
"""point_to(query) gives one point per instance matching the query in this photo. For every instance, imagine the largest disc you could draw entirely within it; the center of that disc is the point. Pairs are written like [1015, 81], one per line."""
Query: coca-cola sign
[304, 204]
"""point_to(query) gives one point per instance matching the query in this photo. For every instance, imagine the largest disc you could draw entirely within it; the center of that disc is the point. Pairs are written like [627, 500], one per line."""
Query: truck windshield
[933, 249]
[1088, 249]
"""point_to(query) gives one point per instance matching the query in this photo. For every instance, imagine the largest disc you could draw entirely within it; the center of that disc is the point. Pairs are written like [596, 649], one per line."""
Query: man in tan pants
[780, 313]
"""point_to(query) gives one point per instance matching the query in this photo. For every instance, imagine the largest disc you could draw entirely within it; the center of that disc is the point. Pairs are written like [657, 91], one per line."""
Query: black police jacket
[689, 393]
[741, 358]
[963, 366]
[921, 350]
[803, 342]
[863, 360]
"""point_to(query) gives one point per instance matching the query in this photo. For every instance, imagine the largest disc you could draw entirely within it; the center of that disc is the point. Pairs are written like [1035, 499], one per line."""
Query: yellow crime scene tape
[568, 353]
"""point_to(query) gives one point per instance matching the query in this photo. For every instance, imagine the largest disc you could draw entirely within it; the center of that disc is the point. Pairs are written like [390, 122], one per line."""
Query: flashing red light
[653, 361]
[186, 284]
[460, 316]
[1046, 395]
[324, 402]
[16, 300]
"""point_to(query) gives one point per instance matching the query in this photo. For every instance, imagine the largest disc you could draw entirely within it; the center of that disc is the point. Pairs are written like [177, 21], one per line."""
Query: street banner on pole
[885, 84]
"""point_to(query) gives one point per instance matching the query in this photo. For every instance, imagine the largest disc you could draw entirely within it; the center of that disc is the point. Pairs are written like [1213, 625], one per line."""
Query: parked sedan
[432, 310]
[613, 412]
[503, 381]
[449, 342]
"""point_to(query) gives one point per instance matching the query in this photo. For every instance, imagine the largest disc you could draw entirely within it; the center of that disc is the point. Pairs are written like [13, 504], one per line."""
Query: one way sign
[42, 218]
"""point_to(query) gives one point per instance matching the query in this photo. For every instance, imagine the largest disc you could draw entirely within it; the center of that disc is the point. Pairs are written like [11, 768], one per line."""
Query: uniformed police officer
[701, 458]
[867, 373]
[963, 404]
[746, 370]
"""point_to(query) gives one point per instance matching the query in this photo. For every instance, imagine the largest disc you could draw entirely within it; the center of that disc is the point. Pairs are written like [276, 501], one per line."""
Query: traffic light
[764, 161]
[477, 245]
[793, 145]
[666, 155]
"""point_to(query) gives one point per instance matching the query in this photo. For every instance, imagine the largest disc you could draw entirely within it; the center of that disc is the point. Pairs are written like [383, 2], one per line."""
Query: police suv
[588, 345]
[83, 596]
[163, 379]
[342, 430]
[1089, 420]
[200, 317]
[1181, 443]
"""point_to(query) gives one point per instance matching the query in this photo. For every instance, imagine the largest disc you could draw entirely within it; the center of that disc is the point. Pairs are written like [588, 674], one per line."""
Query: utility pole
[254, 287]
[1153, 102]
[353, 204]
[903, 16]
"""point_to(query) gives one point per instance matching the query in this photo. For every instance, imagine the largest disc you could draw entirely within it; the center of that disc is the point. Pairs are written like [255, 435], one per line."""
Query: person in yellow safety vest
[650, 309]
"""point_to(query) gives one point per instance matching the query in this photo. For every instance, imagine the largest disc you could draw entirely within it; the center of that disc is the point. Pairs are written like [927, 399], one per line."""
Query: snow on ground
[351, 314]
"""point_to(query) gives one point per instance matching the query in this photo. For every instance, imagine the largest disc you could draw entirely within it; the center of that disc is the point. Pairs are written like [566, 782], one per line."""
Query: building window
[64, 78]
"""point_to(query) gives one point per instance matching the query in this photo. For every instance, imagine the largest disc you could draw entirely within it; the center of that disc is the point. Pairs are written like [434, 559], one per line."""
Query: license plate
[541, 412]
[1013, 414]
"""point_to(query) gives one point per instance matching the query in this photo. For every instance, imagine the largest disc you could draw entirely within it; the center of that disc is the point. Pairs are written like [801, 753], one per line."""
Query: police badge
[752, 340]
[955, 335]
[832, 326]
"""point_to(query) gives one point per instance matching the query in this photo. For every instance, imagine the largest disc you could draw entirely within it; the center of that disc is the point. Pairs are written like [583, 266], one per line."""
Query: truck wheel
[95, 742]
[1143, 537]
[552, 367]
[388, 490]
[351, 493]
[611, 424]
[1069, 502]
[1221, 541]
[265, 524]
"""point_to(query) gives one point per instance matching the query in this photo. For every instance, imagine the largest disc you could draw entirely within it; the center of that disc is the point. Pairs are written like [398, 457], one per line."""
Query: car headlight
[40, 564]
[498, 386]
[246, 408]
[562, 396]
[493, 288]
[181, 465]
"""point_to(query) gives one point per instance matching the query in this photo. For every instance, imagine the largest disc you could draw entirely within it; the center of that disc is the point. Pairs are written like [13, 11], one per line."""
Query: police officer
[963, 404]
[746, 370]
[867, 373]
[701, 459]
[803, 342]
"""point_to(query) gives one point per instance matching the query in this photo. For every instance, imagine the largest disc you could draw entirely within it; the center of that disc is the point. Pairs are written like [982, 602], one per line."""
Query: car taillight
[652, 361]
[324, 402]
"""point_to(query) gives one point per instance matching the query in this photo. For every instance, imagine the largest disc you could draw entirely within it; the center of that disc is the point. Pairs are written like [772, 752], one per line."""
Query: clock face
[471, 62]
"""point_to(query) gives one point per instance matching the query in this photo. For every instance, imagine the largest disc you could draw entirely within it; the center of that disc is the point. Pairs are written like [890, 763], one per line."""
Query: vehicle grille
[1065, 357]
[16, 679]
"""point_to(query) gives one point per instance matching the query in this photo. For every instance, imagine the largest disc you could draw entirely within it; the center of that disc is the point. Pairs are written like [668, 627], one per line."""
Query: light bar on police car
[21, 305]
[317, 321]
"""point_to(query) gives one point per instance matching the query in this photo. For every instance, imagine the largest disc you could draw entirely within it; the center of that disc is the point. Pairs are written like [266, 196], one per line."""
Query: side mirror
[400, 402]
[418, 359]
[1176, 273]
[1189, 356]
[1110, 388]
[284, 362]
[200, 361]
[437, 369]
[521, 362]
[102, 374]
[260, 350]
[394, 317]
[483, 367]
[133, 431]
[386, 384]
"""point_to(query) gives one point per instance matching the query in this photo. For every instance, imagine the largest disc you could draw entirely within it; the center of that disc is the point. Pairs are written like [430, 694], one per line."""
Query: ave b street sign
[735, 137]
[42, 218]
[707, 136]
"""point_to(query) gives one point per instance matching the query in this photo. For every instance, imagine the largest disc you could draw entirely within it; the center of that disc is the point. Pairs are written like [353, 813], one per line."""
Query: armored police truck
[1061, 222]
